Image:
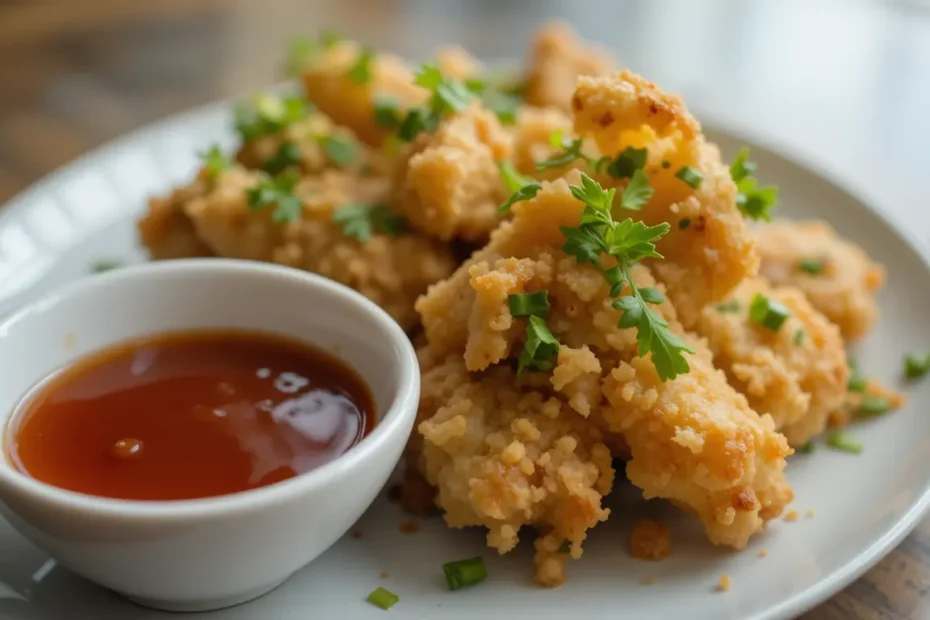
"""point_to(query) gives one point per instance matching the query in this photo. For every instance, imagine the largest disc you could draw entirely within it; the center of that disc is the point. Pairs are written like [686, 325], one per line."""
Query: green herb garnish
[916, 364]
[287, 155]
[729, 306]
[464, 573]
[522, 187]
[571, 150]
[755, 202]
[278, 192]
[302, 51]
[684, 223]
[637, 192]
[540, 347]
[799, 337]
[871, 406]
[529, 304]
[806, 448]
[843, 442]
[338, 150]
[101, 266]
[268, 114]
[627, 162]
[767, 312]
[448, 95]
[360, 71]
[215, 162]
[362, 221]
[813, 266]
[387, 112]
[627, 242]
[690, 176]
[857, 381]
[383, 598]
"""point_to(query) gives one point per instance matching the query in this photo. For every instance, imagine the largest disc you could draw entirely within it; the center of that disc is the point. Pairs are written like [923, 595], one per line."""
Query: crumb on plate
[409, 527]
[650, 540]
[763, 553]
[791, 515]
[725, 583]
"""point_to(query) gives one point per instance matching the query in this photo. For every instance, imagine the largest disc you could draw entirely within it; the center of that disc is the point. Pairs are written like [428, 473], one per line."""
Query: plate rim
[796, 603]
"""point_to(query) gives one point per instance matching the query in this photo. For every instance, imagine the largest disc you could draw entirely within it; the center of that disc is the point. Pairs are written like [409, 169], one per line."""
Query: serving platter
[852, 509]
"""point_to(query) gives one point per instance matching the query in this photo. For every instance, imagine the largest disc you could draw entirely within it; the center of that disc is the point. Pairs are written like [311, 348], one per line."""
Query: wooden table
[844, 84]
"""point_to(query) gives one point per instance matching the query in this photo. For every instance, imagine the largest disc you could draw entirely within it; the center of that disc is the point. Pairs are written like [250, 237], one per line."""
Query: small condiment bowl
[194, 555]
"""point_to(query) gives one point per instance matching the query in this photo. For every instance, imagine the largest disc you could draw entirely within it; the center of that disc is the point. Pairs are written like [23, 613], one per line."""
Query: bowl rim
[396, 417]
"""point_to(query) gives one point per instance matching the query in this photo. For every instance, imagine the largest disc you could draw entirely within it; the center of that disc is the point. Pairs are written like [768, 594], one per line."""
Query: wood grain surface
[847, 82]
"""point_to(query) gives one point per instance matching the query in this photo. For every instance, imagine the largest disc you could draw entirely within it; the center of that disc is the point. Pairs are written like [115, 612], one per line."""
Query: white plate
[864, 504]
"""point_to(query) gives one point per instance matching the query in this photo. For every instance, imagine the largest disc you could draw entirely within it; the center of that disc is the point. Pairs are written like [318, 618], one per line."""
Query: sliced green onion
[799, 337]
[768, 313]
[387, 112]
[730, 306]
[916, 364]
[691, 176]
[464, 573]
[841, 441]
[683, 224]
[872, 406]
[383, 598]
[529, 304]
[813, 266]
[857, 380]
[806, 448]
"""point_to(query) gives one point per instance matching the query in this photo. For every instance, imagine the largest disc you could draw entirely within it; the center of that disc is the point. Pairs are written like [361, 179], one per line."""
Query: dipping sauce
[190, 415]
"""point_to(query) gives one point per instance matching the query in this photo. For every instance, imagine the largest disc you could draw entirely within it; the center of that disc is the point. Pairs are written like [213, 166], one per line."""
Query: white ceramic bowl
[208, 553]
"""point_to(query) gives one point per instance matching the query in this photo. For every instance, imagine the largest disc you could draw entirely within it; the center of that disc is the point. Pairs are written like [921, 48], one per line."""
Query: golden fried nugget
[843, 289]
[166, 231]
[450, 186]
[391, 271]
[797, 374]
[709, 249]
[531, 135]
[505, 452]
[557, 58]
[329, 85]
[692, 439]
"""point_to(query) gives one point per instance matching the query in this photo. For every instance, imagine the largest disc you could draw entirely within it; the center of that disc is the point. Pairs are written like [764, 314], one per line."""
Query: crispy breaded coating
[531, 135]
[557, 58]
[650, 540]
[391, 271]
[166, 231]
[450, 186]
[328, 85]
[505, 452]
[710, 254]
[844, 290]
[306, 135]
[797, 374]
[693, 439]
[458, 63]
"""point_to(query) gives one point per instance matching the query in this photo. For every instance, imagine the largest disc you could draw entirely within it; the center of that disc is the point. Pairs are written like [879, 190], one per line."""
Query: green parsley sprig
[287, 156]
[303, 50]
[361, 71]
[278, 192]
[755, 202]
[628, 242]
[268, 114]
[340, 151]
[362, 221]
[520, 186]
[215, 162]
[448, 95]
[570, 151]
[540, 346]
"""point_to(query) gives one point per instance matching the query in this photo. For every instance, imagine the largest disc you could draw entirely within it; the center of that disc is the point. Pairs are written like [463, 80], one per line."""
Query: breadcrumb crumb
[409, 527]
[725, 583]
[384, 575]
[650, 540]
[809, 513]
[763, 553]
[791, 515]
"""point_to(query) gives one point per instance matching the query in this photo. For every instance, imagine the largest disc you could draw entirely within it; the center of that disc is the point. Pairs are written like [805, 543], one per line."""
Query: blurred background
[841, 84]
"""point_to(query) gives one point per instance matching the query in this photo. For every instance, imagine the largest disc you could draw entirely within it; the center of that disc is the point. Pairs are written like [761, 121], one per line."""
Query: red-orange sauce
[190, 415]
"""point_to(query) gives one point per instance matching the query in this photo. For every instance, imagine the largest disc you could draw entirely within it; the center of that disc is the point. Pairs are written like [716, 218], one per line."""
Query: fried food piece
[557, 58]
[505, 452]
[693, 439]
[166, 231]
[797, 374]
[844, 289]
[456, 62]
[391, 271]
[531, 135]
[709, 249]
[329, 86]
[450, 185]
[307, 136]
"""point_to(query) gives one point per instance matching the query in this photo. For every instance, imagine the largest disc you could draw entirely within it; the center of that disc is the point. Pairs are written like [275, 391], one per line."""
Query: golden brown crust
[797, 379]
[449, 185]
[166, 231]
[844, 291]
[557, 58]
